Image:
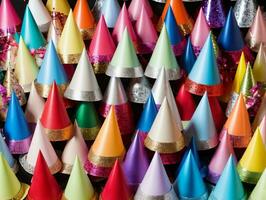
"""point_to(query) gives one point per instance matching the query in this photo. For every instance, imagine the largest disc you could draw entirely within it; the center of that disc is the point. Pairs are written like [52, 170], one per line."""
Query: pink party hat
[40, 142]
[146, 32]
[9, 20]
[76, 146]
[219, 159]
[263, 129]
[122, 22]
[136, 6]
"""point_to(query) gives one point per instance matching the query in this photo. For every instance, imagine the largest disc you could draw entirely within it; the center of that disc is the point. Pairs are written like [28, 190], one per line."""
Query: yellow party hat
[60, 6]
[70, 44]
[253, 161]
[259, 67]
[240, 73]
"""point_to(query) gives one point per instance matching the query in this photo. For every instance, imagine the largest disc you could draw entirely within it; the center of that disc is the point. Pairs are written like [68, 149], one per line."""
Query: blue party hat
[51, 70]
[229, 185]
[189, 184]
[8, 156]
[188, 58]
[148, 115]
[30, 31]
[230, 38]
[16, 128]
[202, 126]
[110, 10]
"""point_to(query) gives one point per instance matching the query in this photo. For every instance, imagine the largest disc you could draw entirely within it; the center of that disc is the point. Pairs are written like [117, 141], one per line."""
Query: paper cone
[229, 184]
[70, 44]
[260, 114]
[155, 184]
[125, 63]
[163, 57]
[135, 9]
[262, 128]
[258, 192]
[248, 82]
[107, 147]
[99, 56]
[43, 184]
[26, 68]
[40, 142]
[11, 188]
[204, 75]
[51, 70]
[123, 21]
[76, 146]
[54, 32]
[54, 118]
[110, 10]
[202, 127]
[59, 6]
[188, 58]
[78, 185]
[259, 67]
[84, 85]
[16, 128]
[40, 14]
[188, 183]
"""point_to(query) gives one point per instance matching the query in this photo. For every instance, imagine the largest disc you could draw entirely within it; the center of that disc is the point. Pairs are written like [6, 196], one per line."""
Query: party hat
[229, 185]
[185, 103]
[26, 68]
[54, 118]
[16, 128]
[262, 128]
[110, 10]
[259, 67]
[145, 31]
[220, 158]
[245, 12]
[107, 147]
[188, 183]
[43, 184]
[182, 18]
[54, 32]
[87, 120]
[214, 12]
[155, 184]
[252, 164]
[188, 58]
[218, 114]
[84, 85]
[30, 31]
[248, 82]
[136, 163]
[40, 142]
[258, 192]
[7, 155]
[204, 75]
[76, 146]
[162, 89]
[84, 19]
[70, 44]
[9, 20]
[116, 185]
[163, 57]
[11, 188]
[123, 21]
[125, 63]
[115, 96]
[78, 185]
[260, 113]
[202, 127]
[41, 15]
[136, 6]
[99, 56]
[51, 70]
[58, 6]
[230, 38]
[238, 125]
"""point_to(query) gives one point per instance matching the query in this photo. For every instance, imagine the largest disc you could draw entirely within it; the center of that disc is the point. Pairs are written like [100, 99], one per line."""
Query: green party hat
[259, 192]
[125, 63]
[163, 56]
[248, 82]
[78, 185]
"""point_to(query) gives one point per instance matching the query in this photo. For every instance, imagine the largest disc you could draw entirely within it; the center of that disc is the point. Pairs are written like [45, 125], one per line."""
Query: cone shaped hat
[59, 6]
[70, 44]
[163, 57]
[54, 119]
[11, 188]
[110, 10]
[258, 192]
[259, 67]
[248, 82]
[54, 32]
[84, 85]
[262, 128]
[43, 184]
[135, 9]
[260, 113]
[188, 58]
[26, 68]
[40, 142]
[78, 185]
[125, 63]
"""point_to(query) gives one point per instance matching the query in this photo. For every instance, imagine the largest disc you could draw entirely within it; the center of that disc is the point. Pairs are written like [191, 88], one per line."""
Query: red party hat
[217, 113]
[54, 118]
[116, 185]
[43, 184]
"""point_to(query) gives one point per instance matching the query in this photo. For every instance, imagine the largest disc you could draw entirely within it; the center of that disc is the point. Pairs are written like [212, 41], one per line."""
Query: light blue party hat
[8, 156]
[110, 10]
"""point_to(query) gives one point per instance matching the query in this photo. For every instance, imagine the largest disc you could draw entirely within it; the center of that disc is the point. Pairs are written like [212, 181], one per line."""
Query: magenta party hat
[136, 6]
[155, 184]
[136, 163]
